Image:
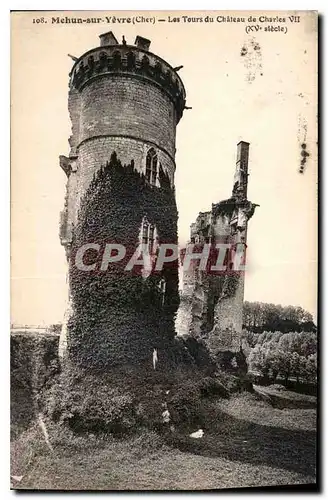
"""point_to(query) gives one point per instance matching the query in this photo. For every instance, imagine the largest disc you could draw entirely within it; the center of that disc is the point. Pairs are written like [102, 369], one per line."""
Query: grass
[284, 398]
[259, 412]
[246, 443]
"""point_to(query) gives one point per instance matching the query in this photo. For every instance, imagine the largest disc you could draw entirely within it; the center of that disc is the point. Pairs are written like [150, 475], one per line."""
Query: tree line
[260, 317]
[289, 356]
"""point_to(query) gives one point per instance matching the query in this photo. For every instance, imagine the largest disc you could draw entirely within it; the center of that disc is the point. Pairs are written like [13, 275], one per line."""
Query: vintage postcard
[164, 173]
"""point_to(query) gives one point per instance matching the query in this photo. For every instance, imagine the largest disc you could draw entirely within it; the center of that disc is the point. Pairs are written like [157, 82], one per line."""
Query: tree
[311, 368]
[260, 316]
[273, 359]
[295, 365]
[284, 364]
[290, 354]
[55, 328]
[309, 345]
[247, 315]
[256, 359]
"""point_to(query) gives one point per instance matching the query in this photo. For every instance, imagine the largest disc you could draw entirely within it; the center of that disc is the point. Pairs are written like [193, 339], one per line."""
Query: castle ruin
[212, 303]
[124, 104]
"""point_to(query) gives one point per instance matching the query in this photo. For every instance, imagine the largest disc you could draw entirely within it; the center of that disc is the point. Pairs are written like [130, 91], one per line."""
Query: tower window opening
[148, 235]
[131, 60]
[145, 62]
[116, 60]
[233, 229]
[151, 167]
[162, 289]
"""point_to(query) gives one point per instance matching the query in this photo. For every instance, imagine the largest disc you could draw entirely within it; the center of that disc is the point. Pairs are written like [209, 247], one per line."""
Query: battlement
[131, 60]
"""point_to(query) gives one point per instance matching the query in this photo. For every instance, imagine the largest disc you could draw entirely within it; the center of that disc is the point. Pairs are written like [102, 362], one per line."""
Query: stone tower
[212, 303]
[124, 104]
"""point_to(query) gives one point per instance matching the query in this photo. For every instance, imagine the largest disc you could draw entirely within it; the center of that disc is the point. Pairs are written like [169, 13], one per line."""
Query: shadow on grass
[236, 439]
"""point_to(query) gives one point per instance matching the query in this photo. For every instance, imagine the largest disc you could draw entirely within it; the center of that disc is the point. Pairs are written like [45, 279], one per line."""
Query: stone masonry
[121, 98]
[212, 304]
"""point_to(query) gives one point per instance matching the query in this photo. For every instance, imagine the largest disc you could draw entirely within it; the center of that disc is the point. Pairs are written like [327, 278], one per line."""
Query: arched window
[145, 62]
[130, 60]
[91, 62]
[162, 289]
[151, 166]
[102, 60]
[116, 60]
[148, 235]
[233, 228]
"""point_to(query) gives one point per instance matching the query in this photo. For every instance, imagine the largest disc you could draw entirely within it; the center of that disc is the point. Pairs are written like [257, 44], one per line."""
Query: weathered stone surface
[212, 303]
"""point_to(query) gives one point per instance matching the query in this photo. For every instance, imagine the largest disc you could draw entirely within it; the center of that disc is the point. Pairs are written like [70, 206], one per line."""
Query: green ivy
[118, 316]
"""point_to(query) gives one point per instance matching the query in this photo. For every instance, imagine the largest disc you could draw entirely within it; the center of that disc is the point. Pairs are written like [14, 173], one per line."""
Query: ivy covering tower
[124, 104]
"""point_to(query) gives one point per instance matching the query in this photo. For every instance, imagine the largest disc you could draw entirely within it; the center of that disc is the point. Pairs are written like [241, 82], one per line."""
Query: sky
[267, 97]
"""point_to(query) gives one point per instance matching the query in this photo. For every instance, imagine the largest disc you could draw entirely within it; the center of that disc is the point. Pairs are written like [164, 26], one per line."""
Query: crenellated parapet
[129, 60]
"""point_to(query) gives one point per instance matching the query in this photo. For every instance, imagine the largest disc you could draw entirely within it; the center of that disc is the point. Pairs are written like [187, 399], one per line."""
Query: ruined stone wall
[183, 322]
[228, 304]
[228, 316]
[214, 309]
[212, 303]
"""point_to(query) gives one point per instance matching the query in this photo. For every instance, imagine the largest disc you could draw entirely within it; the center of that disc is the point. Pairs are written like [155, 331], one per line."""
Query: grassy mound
[246, 443]
[282, 398]
[123, 400]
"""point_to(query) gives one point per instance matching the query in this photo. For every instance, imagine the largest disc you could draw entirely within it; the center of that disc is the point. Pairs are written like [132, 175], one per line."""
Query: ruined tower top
[114, 58]
[241, 172]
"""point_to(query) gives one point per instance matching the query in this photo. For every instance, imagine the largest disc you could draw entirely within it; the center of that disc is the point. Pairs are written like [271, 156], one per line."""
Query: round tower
[122, 99]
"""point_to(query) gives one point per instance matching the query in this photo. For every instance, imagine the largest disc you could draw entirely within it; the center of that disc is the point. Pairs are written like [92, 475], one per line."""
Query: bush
[33, 366]
[210, 387]
[124, 400]
[120, 403]
[277, 387]
[90, 404]
[114, 402]
[185, 404]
